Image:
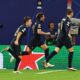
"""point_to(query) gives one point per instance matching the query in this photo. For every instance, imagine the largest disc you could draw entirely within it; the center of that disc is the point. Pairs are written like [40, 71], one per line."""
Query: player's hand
[16, 42]
[52, 36]
[70, 36]
[48, 33]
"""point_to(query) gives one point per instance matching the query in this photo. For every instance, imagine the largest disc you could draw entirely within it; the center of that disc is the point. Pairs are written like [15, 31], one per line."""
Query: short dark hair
[69, 11]
[26, 18]
[50, 24]
[39, 15]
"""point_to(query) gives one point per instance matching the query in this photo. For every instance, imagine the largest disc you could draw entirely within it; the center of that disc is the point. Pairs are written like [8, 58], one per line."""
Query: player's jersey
[23, 29]
[65, 28]
[35, 27]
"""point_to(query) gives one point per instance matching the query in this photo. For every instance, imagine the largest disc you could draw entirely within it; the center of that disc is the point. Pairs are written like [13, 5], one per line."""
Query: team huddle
[63, 39]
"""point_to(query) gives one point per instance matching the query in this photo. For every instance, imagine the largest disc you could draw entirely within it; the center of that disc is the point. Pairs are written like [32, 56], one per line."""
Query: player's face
[72, 14]
[51, 25]
[43, 18]
[29, 23]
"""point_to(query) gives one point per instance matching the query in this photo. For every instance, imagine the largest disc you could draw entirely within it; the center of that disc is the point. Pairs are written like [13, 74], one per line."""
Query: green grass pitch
[40, 75]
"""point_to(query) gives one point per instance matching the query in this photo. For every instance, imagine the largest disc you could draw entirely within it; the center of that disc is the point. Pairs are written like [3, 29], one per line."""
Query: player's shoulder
[63, 19]
[22, 28]
[37, 24]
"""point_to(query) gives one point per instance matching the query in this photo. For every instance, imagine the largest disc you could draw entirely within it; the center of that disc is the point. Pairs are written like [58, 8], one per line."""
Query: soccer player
[51, 39]
[37, 39]
[64, 40]
[17, 41]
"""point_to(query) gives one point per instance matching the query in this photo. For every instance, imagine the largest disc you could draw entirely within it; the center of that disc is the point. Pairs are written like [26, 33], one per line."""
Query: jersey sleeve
[39, 26]
[22, 30]
[67, 25]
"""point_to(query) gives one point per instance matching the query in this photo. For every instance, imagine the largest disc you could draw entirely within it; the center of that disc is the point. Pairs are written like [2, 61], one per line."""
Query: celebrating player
[17, 40]
[64, 39]
[37, 39]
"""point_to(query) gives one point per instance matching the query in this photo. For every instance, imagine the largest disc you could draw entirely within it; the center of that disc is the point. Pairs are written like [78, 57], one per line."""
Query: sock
[17, 64]
[70, 57]
[46, 53]
[51, 55]
[17, 59]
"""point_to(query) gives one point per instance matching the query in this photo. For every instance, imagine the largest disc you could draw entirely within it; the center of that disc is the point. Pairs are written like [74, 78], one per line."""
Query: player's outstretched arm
[39, 31]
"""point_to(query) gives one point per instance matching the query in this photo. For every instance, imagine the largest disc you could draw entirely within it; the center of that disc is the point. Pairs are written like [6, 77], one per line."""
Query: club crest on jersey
[68, 24]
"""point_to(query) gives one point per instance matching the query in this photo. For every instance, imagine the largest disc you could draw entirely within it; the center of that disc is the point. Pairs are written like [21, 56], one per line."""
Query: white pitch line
[50, 71]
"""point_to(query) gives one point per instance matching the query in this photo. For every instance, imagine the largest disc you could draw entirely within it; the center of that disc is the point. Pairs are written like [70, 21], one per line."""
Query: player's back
[35, 28]
[65, 28]
[21, 29]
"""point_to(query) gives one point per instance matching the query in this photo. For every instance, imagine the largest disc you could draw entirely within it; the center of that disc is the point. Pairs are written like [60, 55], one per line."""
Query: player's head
[40, 16]
[70, 13]
[51, 25]
[27, 21]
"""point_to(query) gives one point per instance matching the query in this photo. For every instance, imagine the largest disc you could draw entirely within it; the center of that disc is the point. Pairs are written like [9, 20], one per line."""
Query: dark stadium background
[13, 11]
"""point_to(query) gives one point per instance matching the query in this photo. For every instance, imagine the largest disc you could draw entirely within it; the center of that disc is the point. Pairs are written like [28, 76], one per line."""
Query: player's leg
[16, 50]
[27, 52]
[5, 49]
[70, 56]
[46, 49]
[53, 53]
[70, 59]
[31, 46]
[59, 45]
[13, 55]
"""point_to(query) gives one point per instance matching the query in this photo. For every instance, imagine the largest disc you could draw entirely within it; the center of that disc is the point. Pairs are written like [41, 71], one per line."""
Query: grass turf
[33, 75]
